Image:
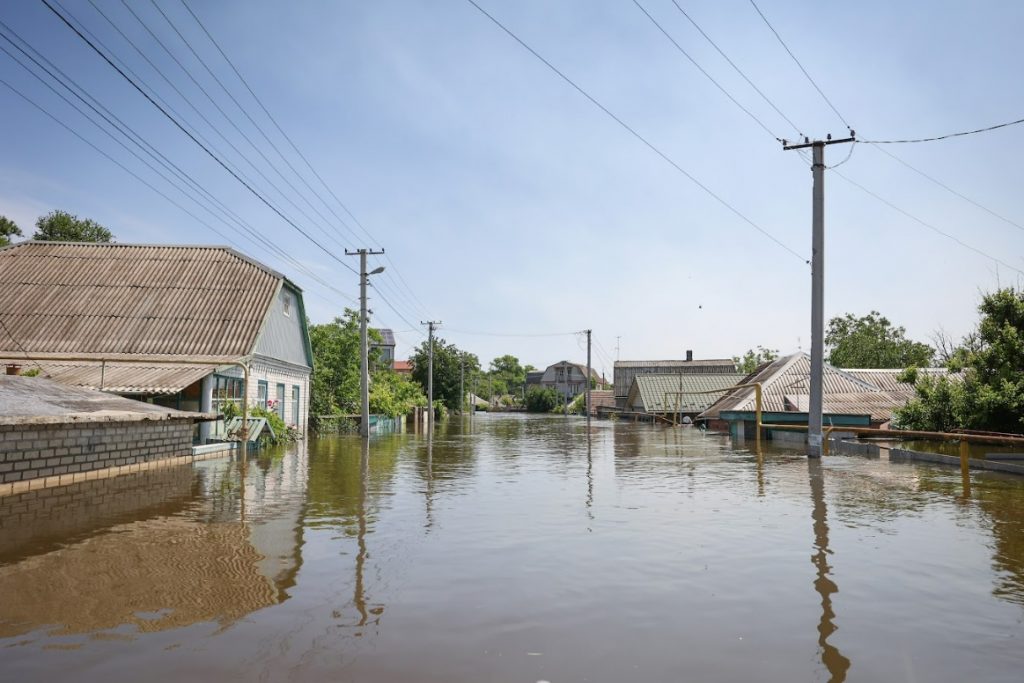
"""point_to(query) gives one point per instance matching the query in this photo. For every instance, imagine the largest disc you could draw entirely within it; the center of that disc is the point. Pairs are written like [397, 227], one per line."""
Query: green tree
[871, 341]
[61, 226]
[988, 393]
[541, 399]
[393, 394]
[334, 384]
[447, 370]
[509, 372]
[752, 359]
[8, 228]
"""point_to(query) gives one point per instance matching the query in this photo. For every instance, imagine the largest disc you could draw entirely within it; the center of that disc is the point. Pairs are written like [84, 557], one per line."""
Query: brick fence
[35, 451]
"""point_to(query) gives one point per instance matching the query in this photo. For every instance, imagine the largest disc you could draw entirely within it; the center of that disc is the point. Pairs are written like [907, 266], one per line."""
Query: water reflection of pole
[430, 483]
[590, 479]
[836, 664]
[359, 599]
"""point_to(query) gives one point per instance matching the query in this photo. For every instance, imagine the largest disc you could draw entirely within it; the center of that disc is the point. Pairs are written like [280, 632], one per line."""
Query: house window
[226, 390]
[295, 405]
[286, 304]
[261, 394]
[279, 403]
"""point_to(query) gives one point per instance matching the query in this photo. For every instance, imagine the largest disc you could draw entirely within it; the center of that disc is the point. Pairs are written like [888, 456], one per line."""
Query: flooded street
[512, 550]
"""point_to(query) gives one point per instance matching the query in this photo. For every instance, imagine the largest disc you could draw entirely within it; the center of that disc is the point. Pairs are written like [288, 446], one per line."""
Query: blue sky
[508, 203]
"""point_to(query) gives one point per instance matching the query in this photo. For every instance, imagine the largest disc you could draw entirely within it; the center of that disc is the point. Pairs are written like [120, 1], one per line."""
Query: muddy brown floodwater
[514, 548]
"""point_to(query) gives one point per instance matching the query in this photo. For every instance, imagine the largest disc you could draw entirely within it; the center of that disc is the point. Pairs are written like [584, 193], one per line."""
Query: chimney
[689, 355]
[13, 369]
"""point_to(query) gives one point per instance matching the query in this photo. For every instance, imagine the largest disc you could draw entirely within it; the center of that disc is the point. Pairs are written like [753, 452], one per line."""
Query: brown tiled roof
[65, 298]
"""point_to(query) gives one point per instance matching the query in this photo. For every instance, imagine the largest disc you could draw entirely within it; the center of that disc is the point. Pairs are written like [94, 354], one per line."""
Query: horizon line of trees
[57, 226]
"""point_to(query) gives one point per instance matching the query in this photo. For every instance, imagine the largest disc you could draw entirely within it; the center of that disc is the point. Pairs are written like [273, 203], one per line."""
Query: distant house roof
[677, 392]
[402, 366]
[579, 366]
[786, 388]
[625, 370]
[534, 377]
[36, 400]
[132, 300]
[888, 379]
[387, 337]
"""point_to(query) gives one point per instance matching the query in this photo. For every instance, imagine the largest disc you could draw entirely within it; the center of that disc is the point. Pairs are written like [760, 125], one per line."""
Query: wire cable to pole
[790, 52]
[944, 137]
[632, 131]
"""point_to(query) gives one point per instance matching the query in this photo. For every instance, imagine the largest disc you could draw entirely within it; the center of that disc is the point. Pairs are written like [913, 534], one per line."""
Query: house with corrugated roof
[625, 371]
[850, 397]
[678, 394]
[168, 324]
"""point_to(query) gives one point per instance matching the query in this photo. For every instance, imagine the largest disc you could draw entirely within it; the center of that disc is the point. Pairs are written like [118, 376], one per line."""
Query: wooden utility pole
[364, 368]
[814, 417]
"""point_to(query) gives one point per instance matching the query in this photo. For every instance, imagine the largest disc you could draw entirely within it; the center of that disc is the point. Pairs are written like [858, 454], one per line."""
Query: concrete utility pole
[814, 418]
[431, 326]
[588, 376]
[364, 369]
[462, 384]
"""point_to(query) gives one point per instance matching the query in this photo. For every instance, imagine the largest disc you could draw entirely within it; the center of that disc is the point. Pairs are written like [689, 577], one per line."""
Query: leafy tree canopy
[334, 384]
[448, 363]
[987, 393]
[8, 228]
[509, 372]
[541, 399]
[871, 341]
[61, 226]
[752, 359]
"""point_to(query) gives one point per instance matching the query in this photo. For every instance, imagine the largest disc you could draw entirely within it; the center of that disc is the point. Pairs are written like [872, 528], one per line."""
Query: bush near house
[541, 400]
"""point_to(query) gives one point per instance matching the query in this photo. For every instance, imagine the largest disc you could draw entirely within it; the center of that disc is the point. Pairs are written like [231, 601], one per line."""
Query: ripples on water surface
[510, 550]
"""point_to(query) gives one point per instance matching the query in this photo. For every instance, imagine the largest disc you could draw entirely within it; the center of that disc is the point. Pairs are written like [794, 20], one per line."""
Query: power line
[193, 138]
[140, 142]
[635, 134]
[513, 334]
[790, 52]
[944, 137]
[302, 156]
[701, 69]
[928, 225]
[738, 70]
[949, 189]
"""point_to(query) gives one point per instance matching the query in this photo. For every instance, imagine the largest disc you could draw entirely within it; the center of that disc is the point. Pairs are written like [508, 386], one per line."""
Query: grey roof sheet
[660, 392]
[120, 378]
[149, 300]
[35, 400]
[716, 362]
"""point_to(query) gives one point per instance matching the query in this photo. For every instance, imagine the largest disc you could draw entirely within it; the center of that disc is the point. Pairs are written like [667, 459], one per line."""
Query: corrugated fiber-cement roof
[58, 297]
[119, 378]
[661, 393]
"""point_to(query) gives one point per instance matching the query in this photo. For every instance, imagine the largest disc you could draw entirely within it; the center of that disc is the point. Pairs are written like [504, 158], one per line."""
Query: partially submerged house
[568, 379]
[682, 395]
[860, 398]
[626, 370]
[168, 324]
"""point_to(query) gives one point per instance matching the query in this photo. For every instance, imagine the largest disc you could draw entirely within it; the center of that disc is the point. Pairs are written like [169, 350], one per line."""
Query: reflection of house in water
[153, 551]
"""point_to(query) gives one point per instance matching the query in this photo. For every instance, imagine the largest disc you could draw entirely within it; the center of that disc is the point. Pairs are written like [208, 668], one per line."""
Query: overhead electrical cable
[790, 52]
[394, 270]
[637, 135]
[737, 69]
[184, 130]
[245, 113]
[128, 133]
[949, 189]
[929, 225]
[283, 195]
[703, 71]
[944, 137]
